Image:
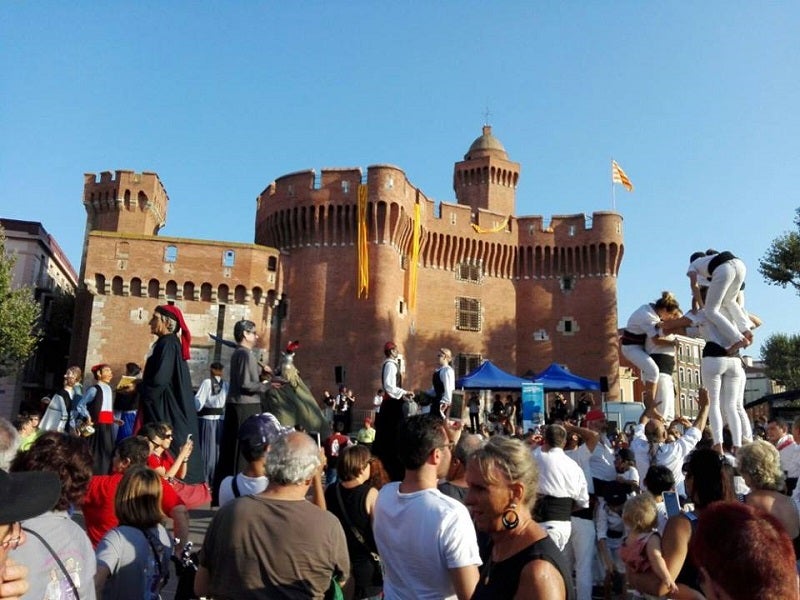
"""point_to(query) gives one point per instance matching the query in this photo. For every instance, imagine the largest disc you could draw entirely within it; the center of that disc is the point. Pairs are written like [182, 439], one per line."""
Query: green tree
[781, 355]
[19, 317]
[781, 264]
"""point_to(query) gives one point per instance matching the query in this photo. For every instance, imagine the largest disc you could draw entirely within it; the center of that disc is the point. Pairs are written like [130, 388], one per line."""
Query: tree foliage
[19, 317]
[781, 264]
[781, 355]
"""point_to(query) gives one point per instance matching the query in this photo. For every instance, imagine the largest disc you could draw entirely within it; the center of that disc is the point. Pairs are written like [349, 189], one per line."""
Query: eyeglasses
[168, 436]
[449, 446]
[14, 538]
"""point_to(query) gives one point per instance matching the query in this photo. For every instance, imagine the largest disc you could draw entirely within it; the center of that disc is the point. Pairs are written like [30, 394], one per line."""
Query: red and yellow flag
[619, 176]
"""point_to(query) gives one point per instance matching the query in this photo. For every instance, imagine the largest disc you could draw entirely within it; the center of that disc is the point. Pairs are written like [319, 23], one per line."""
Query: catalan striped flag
[619, 176]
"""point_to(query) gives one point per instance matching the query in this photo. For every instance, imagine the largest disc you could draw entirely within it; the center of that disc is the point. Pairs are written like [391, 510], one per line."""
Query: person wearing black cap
[22, 496]
[166, 390]
[388, 420]
[255, 436]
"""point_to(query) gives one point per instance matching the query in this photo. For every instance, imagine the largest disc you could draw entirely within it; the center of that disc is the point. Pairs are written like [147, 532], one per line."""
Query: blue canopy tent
[490, 377]
[556, 378]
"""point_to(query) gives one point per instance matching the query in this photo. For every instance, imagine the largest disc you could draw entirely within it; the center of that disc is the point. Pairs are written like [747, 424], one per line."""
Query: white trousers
[722, 377]
[725, 283]
[580, 554]
[665, 397]
[640, 358]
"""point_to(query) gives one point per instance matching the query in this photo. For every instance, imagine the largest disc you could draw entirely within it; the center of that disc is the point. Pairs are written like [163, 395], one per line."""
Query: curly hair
[639, 513]
[67, 456]
[760, 462]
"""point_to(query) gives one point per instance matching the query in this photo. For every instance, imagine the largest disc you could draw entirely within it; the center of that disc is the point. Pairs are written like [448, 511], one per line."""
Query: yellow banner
[412, 268]
[362, 285]
[500, 227]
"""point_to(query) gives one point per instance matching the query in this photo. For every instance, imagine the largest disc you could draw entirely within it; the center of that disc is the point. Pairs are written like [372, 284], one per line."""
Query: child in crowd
[641, 551]
[627, 474]
[659, 479]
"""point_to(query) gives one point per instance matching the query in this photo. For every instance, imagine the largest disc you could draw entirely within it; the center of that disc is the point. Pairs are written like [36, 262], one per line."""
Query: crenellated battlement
[125, 201]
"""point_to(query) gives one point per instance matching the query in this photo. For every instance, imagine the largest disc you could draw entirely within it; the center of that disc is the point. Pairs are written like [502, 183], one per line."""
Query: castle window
[153, 288]
[228, 258]
[567, 283]
[346, 187]
[100, 283]
[171, 290]
[123, 248]
[470, 271]
[466, 363]
[136, 287]
[567, 326]
[572, 231]
[468, 314]
[170, 254]
[401, 307]
[272, 264]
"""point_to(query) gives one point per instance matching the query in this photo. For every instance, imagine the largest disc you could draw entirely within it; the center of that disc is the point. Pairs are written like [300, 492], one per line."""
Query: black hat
[27, 494]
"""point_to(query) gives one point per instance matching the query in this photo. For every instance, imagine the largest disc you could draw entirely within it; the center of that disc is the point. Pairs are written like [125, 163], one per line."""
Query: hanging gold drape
[412, 268]
[362, 285]
[500, 227]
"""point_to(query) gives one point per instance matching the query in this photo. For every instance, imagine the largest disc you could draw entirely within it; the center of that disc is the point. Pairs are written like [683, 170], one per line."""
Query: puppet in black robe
[166, 395]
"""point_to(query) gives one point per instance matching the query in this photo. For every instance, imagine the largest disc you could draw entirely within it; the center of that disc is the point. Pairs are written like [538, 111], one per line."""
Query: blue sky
[697, 101]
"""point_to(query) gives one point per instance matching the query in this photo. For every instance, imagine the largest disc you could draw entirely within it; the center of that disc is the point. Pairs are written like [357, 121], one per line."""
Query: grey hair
[467, 444]
[761, 463]
[9, 443]
[292, 459]
[170, 322]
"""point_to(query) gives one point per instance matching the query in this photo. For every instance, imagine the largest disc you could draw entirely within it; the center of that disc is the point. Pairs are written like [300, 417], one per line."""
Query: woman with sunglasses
[160, 438]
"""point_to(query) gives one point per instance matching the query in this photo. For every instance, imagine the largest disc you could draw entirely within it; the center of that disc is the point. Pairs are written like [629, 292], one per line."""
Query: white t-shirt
[670, 454]
[643, 320]
[247, 485]
[420, 536]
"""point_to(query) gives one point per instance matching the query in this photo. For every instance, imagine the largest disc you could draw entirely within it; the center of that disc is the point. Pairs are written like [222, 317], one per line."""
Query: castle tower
[486, 179]
[128, 202]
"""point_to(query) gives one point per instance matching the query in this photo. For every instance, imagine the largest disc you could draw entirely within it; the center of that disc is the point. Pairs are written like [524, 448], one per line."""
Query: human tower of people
[419, 506]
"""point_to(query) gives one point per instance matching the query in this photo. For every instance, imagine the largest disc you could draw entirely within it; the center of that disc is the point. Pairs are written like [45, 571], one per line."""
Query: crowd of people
[418, 506]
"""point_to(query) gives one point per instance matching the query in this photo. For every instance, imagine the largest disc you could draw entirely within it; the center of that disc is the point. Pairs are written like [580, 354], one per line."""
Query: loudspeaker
[339, 373]
[604, 384]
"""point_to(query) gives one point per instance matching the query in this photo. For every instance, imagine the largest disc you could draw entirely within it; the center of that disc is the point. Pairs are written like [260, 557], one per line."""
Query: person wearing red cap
[166, 392]
[388, 420]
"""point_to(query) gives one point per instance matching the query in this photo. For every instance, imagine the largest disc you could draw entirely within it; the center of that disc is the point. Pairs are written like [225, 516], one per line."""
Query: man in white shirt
[778, 434]
[426, 540]
[392, 413]
[562, 486]
[650, 446]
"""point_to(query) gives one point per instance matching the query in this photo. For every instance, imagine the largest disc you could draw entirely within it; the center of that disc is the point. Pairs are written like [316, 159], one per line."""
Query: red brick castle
[489, 284]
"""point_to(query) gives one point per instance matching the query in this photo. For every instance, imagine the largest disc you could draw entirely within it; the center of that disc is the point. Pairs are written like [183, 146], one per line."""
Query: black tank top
[438, 385]
[501, 579]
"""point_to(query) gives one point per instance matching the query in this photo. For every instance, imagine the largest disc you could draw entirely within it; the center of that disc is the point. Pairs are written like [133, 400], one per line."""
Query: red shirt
[165, 460]
[98, 505]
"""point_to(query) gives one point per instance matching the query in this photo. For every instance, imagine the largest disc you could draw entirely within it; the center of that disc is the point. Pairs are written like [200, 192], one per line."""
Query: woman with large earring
[521, 562]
